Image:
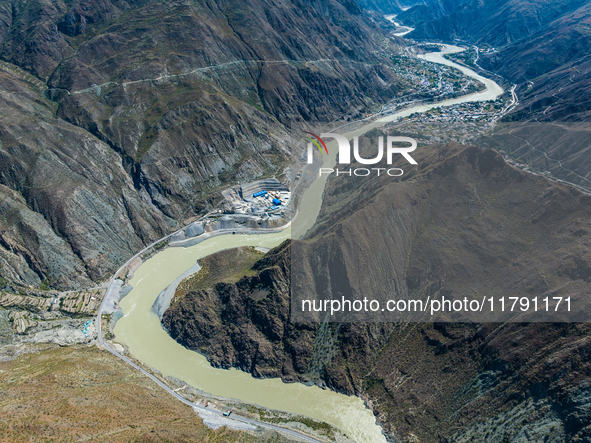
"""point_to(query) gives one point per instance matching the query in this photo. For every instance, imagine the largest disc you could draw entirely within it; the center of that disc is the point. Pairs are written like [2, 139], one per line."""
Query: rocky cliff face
[70, 211]
[463, 221]
[245, 324]
[124, 118]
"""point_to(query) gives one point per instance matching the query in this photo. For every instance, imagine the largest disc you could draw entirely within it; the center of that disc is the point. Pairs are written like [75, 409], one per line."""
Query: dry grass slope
[83, 394]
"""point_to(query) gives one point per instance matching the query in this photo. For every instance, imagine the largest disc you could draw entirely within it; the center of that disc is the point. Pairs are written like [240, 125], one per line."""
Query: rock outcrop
[245, 324]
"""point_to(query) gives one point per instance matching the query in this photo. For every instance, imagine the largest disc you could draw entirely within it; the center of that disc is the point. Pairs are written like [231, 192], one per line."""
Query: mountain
[123, 119]
[492, 22]
[382, 6]
[428, 11]
[547, 130]
[543, 49]
[554, 83]
[464, 222]
[245, 323]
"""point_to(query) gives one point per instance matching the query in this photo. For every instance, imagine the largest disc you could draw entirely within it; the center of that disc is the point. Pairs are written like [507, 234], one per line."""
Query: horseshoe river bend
[140, 329]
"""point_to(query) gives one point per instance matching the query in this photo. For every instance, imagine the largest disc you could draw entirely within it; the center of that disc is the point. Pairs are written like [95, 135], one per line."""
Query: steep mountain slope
[428, 11]
[128, 116]
[554, 81]
[552, 72]
[496, 23]
[464, 222]
[69, 208]
[544, 49]
[244, 324]
[383, 6]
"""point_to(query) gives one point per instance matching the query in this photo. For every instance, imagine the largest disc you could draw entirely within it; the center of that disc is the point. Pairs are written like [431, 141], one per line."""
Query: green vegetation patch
[281, 418]
[227, 266]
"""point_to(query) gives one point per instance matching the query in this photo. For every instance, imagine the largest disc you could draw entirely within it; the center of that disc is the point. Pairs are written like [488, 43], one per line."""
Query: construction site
[263, 204]
[268, 197]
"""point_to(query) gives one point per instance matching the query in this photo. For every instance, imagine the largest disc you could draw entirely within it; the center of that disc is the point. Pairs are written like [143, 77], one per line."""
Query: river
[141, 331]
[391, 18]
